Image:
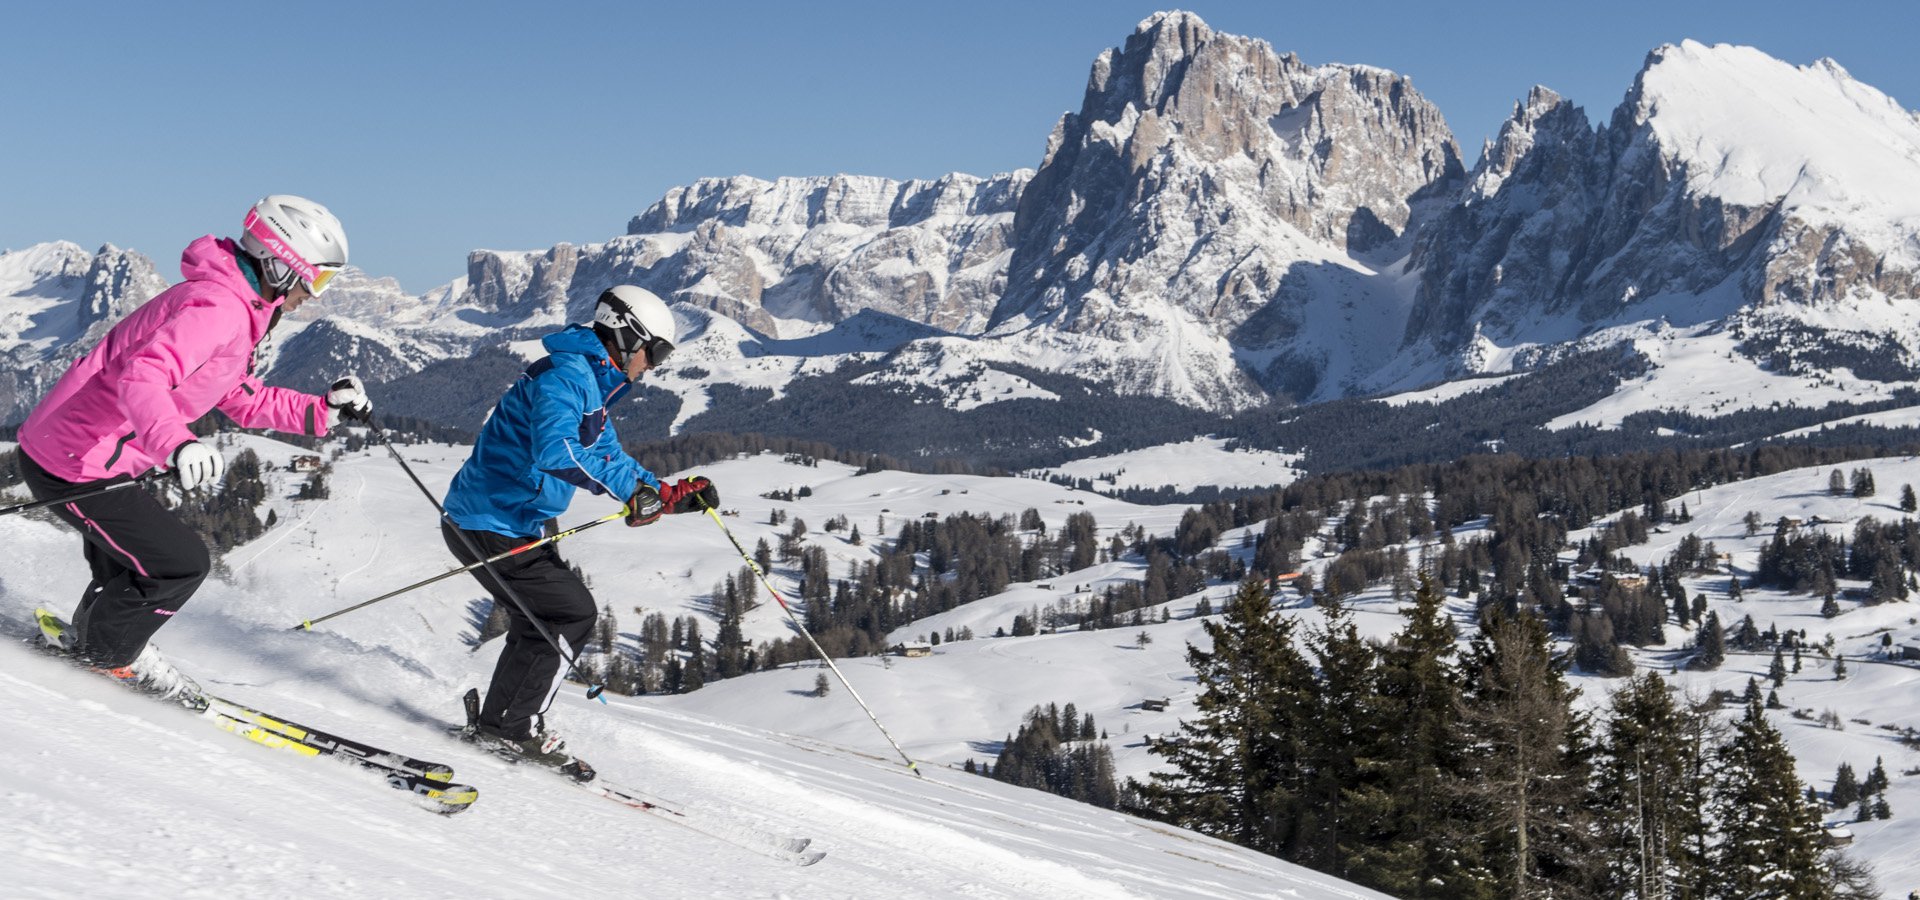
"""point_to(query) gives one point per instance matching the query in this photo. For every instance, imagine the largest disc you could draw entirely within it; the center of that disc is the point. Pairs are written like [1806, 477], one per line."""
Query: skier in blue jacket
[549, 435]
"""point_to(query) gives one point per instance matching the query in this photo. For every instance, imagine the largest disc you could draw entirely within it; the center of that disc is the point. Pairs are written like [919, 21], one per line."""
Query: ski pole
[56, 501]
[715, 516]
[594, 691]
[307, 625]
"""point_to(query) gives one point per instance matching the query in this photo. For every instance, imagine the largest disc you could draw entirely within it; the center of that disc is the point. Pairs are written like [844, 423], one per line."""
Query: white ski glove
[196, 465]
[347, 399]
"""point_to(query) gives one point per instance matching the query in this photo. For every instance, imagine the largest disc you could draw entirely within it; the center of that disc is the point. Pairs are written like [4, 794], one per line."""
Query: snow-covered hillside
[193, 810]
[103, 791]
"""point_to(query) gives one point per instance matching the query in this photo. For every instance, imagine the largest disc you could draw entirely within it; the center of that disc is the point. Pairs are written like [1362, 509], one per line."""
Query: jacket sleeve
[565, 409]
[150, 372]
[252, 404]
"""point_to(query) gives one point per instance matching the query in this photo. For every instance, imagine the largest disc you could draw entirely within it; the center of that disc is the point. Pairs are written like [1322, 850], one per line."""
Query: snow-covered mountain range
[1224, 226]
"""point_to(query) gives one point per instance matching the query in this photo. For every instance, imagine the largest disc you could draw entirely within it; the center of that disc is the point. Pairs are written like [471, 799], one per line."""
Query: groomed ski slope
[105, 792]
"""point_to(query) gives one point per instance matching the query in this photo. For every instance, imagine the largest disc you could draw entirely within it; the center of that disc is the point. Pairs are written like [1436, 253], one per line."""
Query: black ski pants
[146, 563]
[529, 672]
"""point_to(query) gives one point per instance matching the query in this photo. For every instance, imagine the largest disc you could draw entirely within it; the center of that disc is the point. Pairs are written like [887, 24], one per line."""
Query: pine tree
[1862, 483]
[1403, 843]
[1908, 502]
[1711, 647]
[1524, 772]
[1846, 788]
[1344, 735]
[1650, 789]
[1771, 845]
[1233, 772]
[1876, 780]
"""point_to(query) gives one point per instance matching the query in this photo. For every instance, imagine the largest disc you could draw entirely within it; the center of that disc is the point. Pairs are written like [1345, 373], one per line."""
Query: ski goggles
[316, 278]
[634, 339]
[322, 278]
[657, 350]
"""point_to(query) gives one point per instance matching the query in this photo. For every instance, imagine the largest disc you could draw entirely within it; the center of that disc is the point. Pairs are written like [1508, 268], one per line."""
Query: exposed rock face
[810, 251]
[1200, 171]
[1222, 225]
[58, 301]
[1727, 187]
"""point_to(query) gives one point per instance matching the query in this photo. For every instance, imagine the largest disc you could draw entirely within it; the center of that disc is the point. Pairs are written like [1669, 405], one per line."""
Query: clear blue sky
[433, 128]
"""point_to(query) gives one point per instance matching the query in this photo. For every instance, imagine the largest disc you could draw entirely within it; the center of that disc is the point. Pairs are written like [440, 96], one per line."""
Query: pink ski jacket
[123, 408]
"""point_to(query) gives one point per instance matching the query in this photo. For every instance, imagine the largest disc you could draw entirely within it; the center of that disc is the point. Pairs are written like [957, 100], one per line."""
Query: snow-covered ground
[1446, 391]
[1184, 466]
[104, 791]
[101, 791]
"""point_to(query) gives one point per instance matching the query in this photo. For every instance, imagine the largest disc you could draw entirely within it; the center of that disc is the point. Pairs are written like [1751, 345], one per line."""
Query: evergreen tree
[1777, 669]
[1524, 770]
[1846, 788]
[1404, 845]
[1344, 735]
[1234, 771]
[1711, 648]
[1908, 502]
[1771, 845]
[1876, 780]
[1862, 483]
[1650, 788]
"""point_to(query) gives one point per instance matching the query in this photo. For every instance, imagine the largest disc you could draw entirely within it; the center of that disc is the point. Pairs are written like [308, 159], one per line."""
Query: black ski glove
[645, 506]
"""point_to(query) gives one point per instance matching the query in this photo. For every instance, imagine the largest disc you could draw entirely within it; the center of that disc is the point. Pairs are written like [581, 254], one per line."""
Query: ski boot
[149, 673]
[542, 748]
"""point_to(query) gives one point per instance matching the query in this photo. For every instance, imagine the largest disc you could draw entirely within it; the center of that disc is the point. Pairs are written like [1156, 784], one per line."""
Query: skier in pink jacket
[123, 409]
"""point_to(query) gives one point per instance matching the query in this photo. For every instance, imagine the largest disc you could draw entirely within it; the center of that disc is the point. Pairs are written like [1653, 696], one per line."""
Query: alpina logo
[267, 235]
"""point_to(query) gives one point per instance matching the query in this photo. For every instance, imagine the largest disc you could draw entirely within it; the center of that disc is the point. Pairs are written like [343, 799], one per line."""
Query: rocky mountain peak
[1201, 169]
[1729, 189]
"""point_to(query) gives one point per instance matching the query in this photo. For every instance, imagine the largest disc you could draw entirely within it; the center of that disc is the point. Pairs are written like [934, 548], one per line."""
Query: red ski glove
[695, 494]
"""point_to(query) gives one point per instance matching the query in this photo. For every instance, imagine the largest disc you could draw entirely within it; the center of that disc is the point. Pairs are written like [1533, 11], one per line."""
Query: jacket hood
[214, 259]
[580, 339]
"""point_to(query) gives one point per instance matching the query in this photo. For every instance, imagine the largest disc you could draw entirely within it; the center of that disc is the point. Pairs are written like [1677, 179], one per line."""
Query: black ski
[331, 743]
[785, 849]
[430, 782]
[437, 795]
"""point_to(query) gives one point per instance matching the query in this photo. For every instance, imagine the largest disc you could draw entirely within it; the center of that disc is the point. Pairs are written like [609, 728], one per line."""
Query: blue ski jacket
[547, 436]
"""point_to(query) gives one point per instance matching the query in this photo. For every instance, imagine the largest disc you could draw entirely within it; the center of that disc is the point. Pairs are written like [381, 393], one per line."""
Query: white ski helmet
[632, 319]
[297, 241]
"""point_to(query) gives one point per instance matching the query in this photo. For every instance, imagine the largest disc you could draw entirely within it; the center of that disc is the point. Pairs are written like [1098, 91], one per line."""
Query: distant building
[304, 463]
[916, 648]
[1153, 704]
